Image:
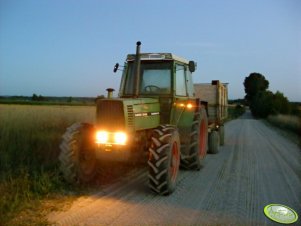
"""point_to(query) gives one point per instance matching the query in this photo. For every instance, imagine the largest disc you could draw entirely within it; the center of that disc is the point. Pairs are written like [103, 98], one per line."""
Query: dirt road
[256, 167]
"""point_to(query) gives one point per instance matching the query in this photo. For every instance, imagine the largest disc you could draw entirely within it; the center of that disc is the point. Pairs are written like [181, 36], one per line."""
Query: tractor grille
[130, 116]
[110, 115]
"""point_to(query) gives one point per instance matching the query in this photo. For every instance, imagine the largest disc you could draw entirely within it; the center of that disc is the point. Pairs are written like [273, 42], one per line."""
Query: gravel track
[254, 168]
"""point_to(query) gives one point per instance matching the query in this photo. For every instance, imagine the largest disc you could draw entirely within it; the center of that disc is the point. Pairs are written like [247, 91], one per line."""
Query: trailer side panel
[216, 94]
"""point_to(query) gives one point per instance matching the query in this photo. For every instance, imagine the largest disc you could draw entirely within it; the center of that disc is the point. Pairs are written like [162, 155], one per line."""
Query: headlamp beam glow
[120, 138]
[104, 137]
[183, 105]
[189, 105]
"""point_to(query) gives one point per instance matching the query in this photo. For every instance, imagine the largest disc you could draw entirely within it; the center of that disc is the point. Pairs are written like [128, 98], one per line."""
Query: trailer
[214, 95]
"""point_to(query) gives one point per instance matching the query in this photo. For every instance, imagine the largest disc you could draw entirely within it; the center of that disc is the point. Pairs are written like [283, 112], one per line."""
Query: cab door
[183, 107]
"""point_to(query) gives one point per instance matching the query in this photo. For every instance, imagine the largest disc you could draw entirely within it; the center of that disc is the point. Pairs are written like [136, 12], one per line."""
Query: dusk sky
[69, 48]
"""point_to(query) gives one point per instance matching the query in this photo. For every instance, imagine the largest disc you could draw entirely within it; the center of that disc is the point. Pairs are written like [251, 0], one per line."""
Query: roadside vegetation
[235, 111]
[274, 107]
[29, 146]
[288, 122]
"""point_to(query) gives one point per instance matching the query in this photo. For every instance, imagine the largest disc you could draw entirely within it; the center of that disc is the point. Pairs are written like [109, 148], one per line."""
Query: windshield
[155, 78]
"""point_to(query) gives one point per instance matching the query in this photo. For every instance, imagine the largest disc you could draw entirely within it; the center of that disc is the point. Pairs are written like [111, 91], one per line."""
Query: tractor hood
[124, 114]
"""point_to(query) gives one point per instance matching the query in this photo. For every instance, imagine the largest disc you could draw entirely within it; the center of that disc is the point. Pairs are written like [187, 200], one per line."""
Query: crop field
[29, 146]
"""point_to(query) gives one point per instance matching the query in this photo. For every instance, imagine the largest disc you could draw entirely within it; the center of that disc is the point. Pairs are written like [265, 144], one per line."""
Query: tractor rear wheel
[77, 157]
[164, 159]
[198, 141]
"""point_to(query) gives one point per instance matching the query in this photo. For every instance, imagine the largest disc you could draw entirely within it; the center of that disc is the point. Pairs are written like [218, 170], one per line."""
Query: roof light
[152, 56]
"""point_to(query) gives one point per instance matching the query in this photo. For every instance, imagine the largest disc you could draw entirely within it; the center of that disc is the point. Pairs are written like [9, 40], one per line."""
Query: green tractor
[156, 119]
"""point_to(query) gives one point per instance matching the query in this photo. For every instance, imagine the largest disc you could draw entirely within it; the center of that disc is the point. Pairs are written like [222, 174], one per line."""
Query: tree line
[263, 102]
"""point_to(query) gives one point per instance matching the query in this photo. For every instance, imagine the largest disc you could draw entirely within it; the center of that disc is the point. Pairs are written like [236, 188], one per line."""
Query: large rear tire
[198, 141]
[77, 158]
[164, 159]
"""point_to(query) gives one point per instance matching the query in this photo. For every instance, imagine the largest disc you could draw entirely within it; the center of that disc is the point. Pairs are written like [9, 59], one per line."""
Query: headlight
[102, 137]
[189, 106]
[120, 138]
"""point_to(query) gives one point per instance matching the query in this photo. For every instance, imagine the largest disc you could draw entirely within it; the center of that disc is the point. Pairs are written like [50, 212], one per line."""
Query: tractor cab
[160, 74]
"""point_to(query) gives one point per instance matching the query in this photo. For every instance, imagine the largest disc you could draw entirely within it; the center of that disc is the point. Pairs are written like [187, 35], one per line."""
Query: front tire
[77, 158]
[198, 141]
[164, 159]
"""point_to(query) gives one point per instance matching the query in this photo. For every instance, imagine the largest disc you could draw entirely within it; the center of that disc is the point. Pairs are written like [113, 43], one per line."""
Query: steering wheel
[151, 88]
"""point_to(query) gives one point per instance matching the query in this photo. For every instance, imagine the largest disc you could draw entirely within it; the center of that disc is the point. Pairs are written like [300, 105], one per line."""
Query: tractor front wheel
[164, 159]
[77, 157]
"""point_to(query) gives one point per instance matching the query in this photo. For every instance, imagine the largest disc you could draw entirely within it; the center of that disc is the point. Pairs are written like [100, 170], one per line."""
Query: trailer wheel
[198, 141]
[221, 135]
[213, 142]
[164, 159]
[77, 157]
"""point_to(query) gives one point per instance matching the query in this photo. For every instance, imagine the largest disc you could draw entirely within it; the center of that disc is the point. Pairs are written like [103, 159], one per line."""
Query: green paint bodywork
[167, 108]
[137, 113]
[141, 109]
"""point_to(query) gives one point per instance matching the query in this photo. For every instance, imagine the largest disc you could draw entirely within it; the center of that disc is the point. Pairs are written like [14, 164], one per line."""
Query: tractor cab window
[180, 81]
[155, 78]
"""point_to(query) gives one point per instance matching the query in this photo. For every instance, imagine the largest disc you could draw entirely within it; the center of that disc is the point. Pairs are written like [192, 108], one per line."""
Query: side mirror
[192, 66]
[116, 67]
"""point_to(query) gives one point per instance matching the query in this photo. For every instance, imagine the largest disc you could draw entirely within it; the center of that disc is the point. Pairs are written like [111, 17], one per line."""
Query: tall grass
[29, 146]
[287, 122]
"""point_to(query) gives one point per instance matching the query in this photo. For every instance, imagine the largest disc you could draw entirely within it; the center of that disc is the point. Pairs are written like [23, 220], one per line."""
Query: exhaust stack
[110, 92]
[137, 70]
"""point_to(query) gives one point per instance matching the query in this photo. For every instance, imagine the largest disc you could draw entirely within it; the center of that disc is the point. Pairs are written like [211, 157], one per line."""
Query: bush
[281, 104]
[235, 112]
[262, 103]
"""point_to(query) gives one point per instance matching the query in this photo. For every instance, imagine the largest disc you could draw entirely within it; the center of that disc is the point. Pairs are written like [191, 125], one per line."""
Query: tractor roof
[157, 56]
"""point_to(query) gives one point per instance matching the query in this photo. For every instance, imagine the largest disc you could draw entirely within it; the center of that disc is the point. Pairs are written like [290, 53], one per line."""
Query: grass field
[29, 146]
[291, 124]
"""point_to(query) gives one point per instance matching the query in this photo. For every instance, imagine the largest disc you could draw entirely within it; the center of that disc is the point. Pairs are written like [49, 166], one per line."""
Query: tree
[41, 98]
[34, 97]
[254, 83]
[281, 104]
[261, 105]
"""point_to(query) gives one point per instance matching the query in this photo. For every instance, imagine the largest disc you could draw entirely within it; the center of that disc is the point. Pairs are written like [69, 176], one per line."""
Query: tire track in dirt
[285, 170]
[256, 167]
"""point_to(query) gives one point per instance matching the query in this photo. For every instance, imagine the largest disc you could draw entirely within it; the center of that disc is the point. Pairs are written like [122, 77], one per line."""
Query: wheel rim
[202, 139]
[174, 162]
